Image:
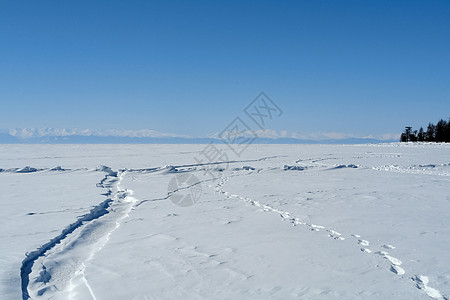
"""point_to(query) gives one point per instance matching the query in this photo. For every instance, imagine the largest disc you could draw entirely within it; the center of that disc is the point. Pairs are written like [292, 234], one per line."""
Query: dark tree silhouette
[435, 133]
[403, 137]
[447, 132]
[408, 133]
[421, 135]
[440, 130]
[429, 137]
[413, 136]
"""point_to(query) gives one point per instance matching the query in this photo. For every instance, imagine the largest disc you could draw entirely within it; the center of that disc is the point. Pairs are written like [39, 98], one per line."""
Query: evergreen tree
[408, 133]
[421, 135]
[403, 138]
[413, 136]
[447, 132]
[430, 135]
[440, 131]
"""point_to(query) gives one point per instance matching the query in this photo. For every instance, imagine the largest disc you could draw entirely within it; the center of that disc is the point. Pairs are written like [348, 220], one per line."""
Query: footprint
[363, 243]
[395, 263]
[366, 250]
[356, 235]
[397, 270]
[285, 215]
[393, 260]
[335, 235]
[317, 227]
[388, 247]
[267, 208]
[334, 232]
[422, 284]
[298, 222]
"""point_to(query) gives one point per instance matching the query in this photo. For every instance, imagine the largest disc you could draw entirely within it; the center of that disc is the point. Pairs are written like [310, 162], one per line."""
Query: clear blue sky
[190, 67]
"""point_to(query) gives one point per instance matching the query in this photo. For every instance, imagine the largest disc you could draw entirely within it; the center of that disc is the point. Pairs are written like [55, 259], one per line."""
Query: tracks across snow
[395, 263]
[287, 216]
[58, 265]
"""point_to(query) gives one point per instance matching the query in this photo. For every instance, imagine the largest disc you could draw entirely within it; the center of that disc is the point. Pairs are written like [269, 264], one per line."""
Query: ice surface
[281, 221]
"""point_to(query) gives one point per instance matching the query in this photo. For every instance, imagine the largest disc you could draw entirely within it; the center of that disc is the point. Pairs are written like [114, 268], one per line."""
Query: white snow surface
[278, 222]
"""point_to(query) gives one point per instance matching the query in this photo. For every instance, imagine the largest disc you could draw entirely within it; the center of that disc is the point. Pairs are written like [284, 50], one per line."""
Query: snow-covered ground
[278, 222]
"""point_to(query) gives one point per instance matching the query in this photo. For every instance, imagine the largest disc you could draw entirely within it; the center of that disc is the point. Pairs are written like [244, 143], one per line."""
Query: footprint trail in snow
[395, 263]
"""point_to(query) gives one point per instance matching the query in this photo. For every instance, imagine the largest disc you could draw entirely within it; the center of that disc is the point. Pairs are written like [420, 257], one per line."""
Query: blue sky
[190, 67]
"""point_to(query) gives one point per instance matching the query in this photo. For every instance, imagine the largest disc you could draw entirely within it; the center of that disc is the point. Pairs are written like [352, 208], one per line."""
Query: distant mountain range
[7, 138]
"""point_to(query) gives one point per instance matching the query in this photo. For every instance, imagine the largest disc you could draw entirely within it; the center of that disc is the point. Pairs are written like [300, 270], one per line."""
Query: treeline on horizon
[439, 133]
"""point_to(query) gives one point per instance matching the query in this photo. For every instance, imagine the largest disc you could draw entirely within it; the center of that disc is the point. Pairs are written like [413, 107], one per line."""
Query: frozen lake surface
[277, 222]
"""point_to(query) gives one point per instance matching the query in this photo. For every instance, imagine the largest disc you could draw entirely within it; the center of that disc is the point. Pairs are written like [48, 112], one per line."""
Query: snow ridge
[54, 266]
[28, 169]
[31, 257]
